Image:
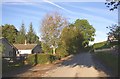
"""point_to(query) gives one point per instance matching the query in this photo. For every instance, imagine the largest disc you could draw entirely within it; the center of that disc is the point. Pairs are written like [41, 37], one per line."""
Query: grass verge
[109, 60]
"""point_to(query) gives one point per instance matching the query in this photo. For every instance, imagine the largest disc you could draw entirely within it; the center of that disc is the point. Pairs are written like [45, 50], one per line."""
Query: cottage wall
[25, 51]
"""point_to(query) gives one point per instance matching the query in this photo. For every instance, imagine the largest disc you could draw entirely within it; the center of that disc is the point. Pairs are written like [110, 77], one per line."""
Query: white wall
[25, 51]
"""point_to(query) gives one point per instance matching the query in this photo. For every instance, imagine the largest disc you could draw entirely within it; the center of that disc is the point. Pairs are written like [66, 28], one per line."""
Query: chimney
[25, 42]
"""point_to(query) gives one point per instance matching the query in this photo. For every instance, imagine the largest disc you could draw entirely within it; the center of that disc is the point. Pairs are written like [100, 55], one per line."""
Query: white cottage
[28, 48]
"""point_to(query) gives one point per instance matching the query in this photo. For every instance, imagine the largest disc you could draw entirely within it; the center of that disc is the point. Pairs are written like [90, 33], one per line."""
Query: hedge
[109, 60]
[41, 58]
[61, 52]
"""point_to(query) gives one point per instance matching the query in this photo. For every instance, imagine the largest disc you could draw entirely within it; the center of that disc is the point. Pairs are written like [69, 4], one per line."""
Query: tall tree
[9, 32]
[52, 25]
[71, 40]
[115, 31]
[31, 36]
[21, 35]
[86, 29]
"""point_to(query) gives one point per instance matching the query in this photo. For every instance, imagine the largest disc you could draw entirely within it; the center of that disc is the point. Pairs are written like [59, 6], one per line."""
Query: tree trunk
[54, 50]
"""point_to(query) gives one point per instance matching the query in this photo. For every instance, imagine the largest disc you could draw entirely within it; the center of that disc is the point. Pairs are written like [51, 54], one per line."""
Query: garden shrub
[61, 52]
[31, 59]
[99, 45]
[41, 58]
[103, 45]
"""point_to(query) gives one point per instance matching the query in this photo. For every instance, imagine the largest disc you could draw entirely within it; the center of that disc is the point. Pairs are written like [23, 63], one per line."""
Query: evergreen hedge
[41, 58]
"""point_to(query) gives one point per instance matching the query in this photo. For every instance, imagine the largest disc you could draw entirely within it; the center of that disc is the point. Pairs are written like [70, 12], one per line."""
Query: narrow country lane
[80, 65]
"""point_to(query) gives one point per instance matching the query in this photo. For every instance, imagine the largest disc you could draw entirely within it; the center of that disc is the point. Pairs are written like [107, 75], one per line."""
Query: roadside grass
[103, 45]
[109, 60]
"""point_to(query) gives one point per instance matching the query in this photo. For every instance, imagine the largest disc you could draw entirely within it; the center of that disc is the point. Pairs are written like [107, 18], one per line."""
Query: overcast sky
[96, 13]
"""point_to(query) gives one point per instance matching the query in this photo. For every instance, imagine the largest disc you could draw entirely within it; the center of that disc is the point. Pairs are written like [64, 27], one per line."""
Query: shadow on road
[85, 60]
[17, 71]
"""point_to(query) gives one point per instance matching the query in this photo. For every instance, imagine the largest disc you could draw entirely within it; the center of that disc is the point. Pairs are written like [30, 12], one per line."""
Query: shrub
[102, 45]
[46, 48]
[61, 52]
[99, 45]
[30, 59]
[41, 58]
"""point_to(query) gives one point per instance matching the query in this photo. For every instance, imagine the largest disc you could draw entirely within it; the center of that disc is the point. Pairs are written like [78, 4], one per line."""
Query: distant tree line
[19, 36]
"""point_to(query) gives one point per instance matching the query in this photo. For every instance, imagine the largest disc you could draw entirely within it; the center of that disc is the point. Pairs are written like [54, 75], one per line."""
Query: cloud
[93, 18]
[21, 12]
[56, 5]
[102, 19]
[102, 11]
[14, 1]
[100, 36]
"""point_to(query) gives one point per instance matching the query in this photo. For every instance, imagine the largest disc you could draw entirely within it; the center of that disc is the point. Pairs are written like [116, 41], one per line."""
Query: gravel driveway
[80, 65]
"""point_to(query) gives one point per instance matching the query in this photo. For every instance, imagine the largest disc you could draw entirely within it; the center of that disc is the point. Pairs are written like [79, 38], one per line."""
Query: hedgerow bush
[102, 45]
[61, 52]
[30, 59]
[41, 58]
[109, 59]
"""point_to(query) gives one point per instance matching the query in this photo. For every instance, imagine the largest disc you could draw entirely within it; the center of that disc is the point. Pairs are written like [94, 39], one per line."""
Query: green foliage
[9, 32]
[108, 59]
[87, 30]
[41, 58]
[103, 45]
[71, 40]
[61, 52]
[31, 59]
[21, 35]
[31, 36]
[46, 48]
[115, 31]
[99, 45]
[15, 36]
[76, 37]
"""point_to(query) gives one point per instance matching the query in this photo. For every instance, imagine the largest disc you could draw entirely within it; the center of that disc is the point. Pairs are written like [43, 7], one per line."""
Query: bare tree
[51, 27]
